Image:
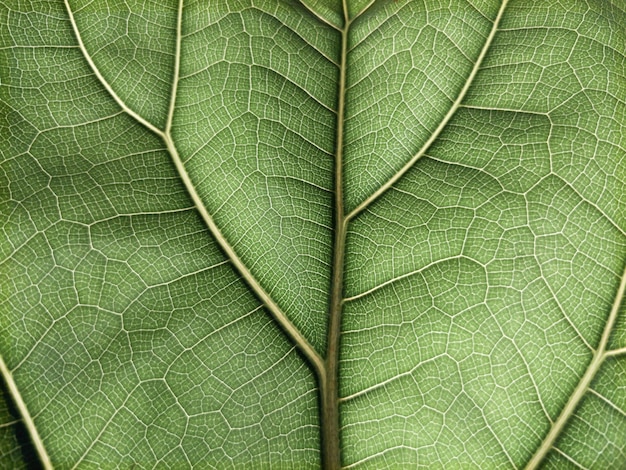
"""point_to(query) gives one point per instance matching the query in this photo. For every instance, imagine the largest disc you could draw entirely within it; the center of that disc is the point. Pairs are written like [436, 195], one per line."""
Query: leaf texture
[193, 193]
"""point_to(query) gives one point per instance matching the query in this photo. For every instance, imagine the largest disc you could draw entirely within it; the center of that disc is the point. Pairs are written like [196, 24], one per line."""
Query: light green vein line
[176, 77]
[615, 352]
[402, 276]
[110, 420]
[319, 17]
[386, 382]
[570, 459]
[27, 419]
[607, 402]
[294, 334]
[442, 124]
[282, 319]
[102, 80]
[504, 110]
[8, 424]
[583, 386]
[362, 10]
[290, 329]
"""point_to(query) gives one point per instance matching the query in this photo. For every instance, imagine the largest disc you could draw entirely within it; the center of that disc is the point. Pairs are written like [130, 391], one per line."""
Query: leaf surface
[201, 200]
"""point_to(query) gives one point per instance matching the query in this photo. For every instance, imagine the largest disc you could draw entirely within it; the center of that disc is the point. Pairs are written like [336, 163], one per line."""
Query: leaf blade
[476, 286]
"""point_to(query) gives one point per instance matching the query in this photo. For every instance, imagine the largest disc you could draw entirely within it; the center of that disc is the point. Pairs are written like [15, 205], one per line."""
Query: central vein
[331, 456]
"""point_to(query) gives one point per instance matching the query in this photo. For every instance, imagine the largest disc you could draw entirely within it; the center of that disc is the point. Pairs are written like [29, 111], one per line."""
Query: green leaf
[281, 234]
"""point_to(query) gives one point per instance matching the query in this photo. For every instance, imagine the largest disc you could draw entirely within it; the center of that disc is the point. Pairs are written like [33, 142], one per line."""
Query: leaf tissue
[315, 233]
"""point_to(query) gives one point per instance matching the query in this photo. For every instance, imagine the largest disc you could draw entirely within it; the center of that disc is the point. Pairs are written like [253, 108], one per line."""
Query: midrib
[329, 380]
[329, 384]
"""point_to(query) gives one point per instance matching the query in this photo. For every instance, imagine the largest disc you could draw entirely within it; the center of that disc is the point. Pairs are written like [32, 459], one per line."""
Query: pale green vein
[8, 424]
[608, 402]
[27, 419]
[505, 110]
[179, 278]
[292, 332]
[615, 352]
[209, 335]
[581, 389]
[318, 17]
[101, 79]
[105, 426]
[494, 432]
[369, 457]
[396, 377]
[570, 459]
[555, 299]
[442, 124]
[402, 276]
[175, 78]
[362, 10]
[585, 199]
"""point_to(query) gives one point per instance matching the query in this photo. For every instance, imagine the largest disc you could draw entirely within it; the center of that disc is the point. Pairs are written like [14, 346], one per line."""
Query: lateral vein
[103, 81]
[292, 332]
[442, 124]
[176, 76]
[389, 380]
[581, 389]
[277, 313]
[400, 277]
[319, 17]
[25, 414]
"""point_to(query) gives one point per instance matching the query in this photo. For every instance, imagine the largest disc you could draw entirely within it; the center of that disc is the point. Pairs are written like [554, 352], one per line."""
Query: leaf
[275, 234]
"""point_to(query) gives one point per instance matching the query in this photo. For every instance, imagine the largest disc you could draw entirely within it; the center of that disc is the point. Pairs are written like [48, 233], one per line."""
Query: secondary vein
[27, 419]
[457, 103]
[277, 313]
[101, 78]
[292, 332]
[176, 74]
[581, 389]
